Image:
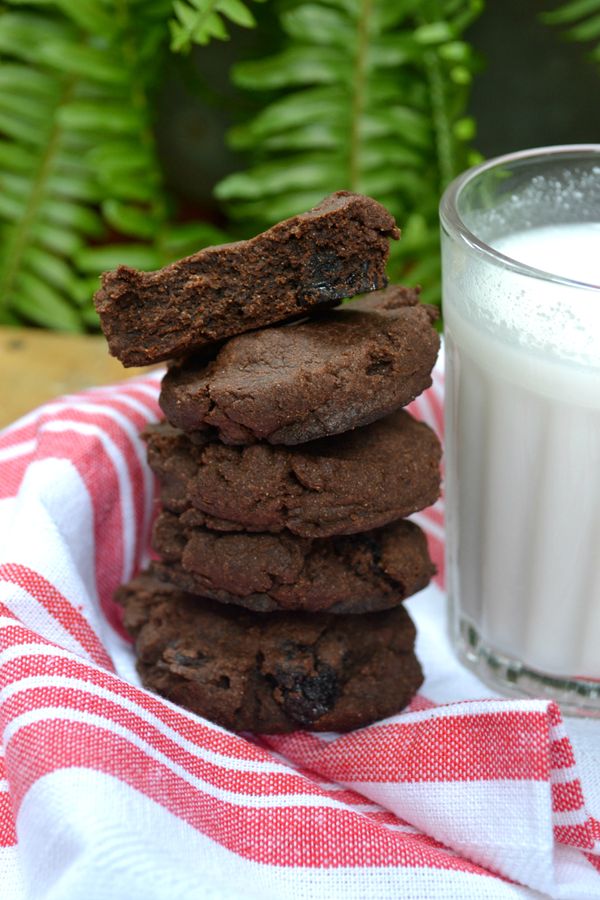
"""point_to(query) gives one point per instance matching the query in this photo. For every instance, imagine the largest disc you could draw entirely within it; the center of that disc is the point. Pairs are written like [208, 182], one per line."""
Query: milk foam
[558, 320]
[570, 251]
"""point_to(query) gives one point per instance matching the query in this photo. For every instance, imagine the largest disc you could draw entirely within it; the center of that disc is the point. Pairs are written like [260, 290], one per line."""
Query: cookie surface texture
[296, 383]
[349, 574]
[336, 250]
[356, 481]
[271, 673]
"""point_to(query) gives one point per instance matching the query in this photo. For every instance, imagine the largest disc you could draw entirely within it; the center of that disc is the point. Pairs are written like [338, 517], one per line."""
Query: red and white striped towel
[107, 791]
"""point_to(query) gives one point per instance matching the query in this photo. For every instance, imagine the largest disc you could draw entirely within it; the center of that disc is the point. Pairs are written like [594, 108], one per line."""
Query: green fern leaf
[15, 157]
[92, 260]
[128, 219]
[50, 191]
[17, 77]
[93, 16]
[279, 207]
[319, 24]
[63, 241]
[583, 19]
[37, 301]
[89, 115]
[199, 21]
[370, 97]
[78, 154]
[32, 205]
[185, 238]
[85, 62]
[588, 30]
[571, 12]
[296, 66]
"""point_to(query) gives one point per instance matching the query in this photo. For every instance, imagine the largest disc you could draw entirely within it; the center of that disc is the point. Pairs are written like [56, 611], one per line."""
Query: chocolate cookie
[274, 673]
[335, 250]
[295, 383]
[338, 485]
[355, 573]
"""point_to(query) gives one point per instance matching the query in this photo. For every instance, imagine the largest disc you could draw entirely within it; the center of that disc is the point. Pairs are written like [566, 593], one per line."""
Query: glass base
[576, 696]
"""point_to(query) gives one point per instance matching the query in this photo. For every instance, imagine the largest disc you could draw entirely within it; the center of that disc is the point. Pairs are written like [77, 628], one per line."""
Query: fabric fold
[109, 791]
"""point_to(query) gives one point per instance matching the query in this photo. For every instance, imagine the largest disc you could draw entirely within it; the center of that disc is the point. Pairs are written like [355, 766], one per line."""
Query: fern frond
[45, 208]
[119, 111]
[78, 159]
[372, 99]
[582, 18]
[199, 21]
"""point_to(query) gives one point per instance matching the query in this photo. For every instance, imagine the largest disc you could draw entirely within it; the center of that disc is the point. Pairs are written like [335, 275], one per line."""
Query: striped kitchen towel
[107, 791]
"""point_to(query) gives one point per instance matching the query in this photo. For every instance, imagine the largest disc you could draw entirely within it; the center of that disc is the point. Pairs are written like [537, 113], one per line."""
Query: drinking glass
[521, 303]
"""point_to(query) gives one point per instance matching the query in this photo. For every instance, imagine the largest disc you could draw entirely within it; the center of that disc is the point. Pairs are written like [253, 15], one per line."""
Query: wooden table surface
[37, 365]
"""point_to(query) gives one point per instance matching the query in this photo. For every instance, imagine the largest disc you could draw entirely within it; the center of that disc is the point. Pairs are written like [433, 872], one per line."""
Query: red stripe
[555, 715]
[77, 446]
[112, 397]
[134, 386]
[328, 788]
[88, 456]
[567, 797]
[574, 836]
[106, 501]
[243, 783]
[12, 472]
[8, 613]
[434, 514]
[386, 817]
[59, 608]
[62, 666]
[437, 389]
[436, 398]
[318, 837]
[117, 396]
[96, 470]
[8, 833]
[191, 728]
[434, 415]
[30, 430]
[511, 745]
[71, 403]
[562, 754]
[420, 702]
[20, 434]
[103, 406]
[594, 860]
[437, 552]
[300, 747]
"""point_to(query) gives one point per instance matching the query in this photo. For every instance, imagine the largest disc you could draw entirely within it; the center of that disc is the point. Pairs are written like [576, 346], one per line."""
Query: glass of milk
[521, 302]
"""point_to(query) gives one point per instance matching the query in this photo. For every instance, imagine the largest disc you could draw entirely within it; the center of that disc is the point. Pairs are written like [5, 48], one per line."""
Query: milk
[523, 447]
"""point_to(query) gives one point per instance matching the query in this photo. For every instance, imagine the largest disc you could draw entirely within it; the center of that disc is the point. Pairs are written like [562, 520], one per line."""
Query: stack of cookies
[287, 468]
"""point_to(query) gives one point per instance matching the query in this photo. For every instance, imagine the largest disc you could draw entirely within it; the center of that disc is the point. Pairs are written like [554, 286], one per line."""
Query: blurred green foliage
[366, 95]
[362, 95]
[81, 187]
[581, 21]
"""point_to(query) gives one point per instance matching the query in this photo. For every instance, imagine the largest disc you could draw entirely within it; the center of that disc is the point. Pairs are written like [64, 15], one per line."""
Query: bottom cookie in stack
[273, 673]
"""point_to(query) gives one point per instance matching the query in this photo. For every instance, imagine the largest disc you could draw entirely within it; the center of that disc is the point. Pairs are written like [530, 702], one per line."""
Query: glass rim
[454, 225]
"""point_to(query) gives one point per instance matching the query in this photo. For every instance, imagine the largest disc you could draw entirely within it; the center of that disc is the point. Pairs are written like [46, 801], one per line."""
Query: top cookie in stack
[336, 250]
[286, 470]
